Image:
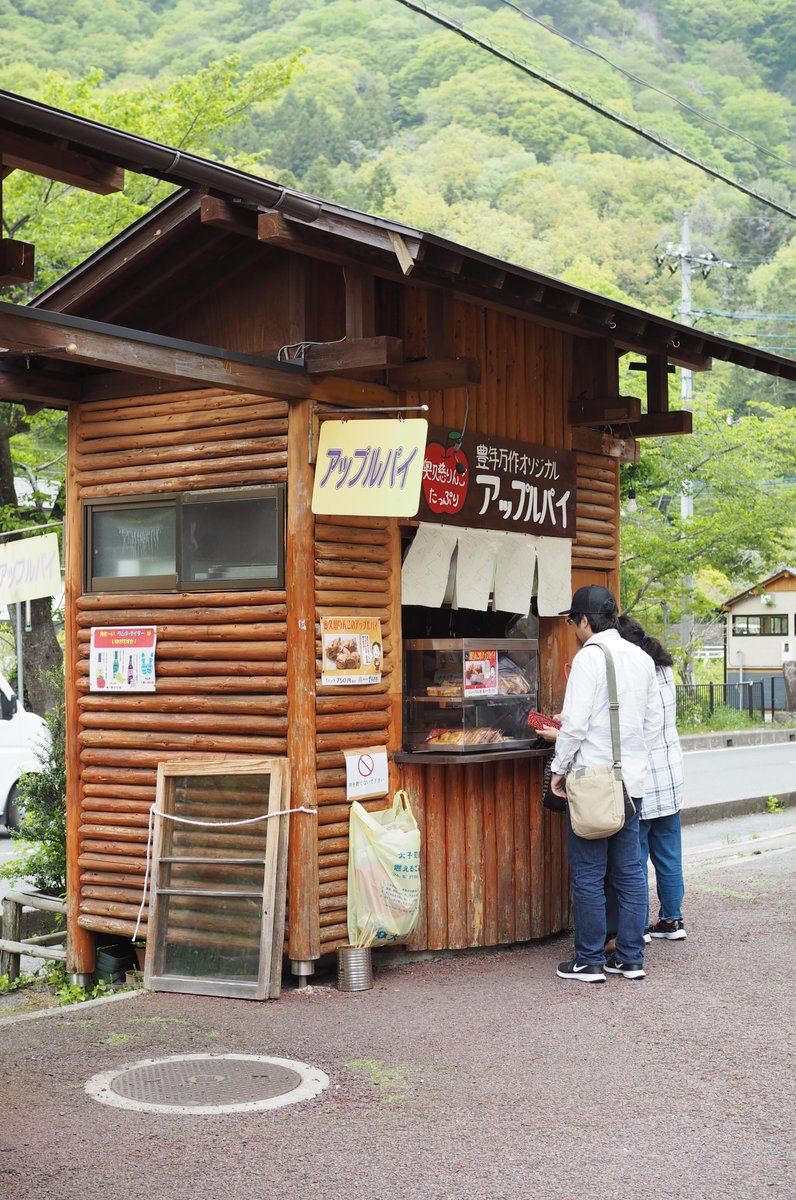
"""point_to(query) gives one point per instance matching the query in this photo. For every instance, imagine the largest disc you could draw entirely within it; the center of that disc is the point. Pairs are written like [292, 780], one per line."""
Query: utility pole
[682, 258]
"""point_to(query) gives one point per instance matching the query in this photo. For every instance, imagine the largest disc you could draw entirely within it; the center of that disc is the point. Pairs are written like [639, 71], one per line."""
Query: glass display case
[469, 695]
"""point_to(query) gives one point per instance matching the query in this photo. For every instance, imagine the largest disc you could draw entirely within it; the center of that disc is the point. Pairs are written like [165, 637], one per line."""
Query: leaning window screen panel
[232, 539]
[216, 918]
[131, 545]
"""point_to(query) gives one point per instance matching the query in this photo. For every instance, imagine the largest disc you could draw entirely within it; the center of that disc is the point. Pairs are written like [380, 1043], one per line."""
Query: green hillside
[391, 113]
[378, 107]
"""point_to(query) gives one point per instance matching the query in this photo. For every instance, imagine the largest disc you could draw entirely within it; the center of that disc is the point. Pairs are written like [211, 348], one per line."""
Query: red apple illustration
[446, 478]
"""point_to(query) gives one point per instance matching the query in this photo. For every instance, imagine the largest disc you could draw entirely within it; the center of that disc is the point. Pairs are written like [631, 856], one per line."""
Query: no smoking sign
[366, 772]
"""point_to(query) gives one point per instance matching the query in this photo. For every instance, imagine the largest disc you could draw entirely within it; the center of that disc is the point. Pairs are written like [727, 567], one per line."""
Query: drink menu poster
[122, 659]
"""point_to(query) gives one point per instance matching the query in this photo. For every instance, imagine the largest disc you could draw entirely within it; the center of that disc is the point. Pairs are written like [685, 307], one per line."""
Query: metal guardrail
[705, 698]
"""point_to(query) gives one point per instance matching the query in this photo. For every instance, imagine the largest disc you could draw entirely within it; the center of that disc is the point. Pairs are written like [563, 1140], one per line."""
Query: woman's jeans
[589, 862]
[659, 840]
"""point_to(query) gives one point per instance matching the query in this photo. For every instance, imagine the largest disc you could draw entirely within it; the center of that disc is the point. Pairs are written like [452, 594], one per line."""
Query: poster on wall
[351, 650]
[122, 659]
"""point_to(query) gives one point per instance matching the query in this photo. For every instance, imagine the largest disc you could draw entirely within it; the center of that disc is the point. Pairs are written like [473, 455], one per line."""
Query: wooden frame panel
[274, 879]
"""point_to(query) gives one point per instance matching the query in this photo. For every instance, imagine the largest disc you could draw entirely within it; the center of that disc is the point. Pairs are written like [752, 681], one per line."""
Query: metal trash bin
[354, 969]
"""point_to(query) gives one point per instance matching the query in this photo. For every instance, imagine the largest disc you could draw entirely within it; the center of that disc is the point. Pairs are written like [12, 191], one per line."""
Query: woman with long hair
[659, 828]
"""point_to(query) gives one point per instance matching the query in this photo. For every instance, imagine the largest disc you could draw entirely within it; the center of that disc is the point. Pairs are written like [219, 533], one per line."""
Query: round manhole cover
[201, 1083]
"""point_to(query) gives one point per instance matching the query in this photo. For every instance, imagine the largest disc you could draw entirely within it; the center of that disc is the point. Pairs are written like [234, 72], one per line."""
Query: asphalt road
[469, 1076]
[738, 772]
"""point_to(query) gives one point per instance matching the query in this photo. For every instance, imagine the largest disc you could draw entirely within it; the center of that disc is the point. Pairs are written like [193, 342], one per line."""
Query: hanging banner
[122, 659]
[366, 773]
[29, 569]
[351, 649]
[486, 482]
[369, 468]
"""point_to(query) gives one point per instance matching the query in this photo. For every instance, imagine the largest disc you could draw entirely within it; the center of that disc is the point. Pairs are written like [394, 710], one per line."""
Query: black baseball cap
[593, 600]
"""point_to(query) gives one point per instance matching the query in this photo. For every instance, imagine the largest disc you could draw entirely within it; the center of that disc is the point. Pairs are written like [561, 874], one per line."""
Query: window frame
[175, 500]
[765, 619]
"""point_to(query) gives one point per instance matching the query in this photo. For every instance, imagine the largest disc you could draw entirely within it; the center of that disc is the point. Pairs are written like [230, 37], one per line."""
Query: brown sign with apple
[486, 482]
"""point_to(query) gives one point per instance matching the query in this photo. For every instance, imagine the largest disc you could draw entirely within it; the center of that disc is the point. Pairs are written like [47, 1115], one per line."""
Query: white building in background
[761, 634]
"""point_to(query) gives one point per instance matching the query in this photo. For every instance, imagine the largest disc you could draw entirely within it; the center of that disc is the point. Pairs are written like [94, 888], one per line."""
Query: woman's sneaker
[629, 970]
[588, 972]
[673, 931]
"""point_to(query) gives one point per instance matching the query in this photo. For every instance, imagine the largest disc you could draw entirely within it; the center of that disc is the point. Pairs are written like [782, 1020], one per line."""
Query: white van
[23, 736]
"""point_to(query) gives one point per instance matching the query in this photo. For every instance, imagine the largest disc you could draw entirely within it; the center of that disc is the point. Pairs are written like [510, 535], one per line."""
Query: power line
[581, 98]
[744, 316]
[645, 84]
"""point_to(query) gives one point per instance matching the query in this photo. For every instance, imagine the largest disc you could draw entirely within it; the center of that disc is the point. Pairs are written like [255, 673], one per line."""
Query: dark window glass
[233, 540]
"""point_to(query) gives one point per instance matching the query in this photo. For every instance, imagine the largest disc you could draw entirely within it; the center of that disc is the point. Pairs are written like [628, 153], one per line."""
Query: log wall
[221, 658]
[494, 863]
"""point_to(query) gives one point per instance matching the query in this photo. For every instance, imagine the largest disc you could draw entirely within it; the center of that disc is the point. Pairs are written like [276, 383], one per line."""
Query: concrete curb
[697, 813]
[740, 737]
[59, 1010]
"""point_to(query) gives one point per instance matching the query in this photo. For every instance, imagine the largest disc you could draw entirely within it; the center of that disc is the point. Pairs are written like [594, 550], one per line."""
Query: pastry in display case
[469, 695]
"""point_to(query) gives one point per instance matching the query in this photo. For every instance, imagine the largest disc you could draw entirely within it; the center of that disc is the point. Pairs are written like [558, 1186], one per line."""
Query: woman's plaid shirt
[663, 794]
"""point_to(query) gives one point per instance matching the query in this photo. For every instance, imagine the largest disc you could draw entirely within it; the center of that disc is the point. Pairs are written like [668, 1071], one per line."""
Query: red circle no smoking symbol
[365, 765]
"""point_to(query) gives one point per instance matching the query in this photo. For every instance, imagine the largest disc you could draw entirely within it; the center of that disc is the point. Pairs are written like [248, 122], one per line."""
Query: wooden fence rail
[12, 947]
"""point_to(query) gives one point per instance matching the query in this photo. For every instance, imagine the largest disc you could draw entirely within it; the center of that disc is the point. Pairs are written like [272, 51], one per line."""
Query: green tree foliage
[194, 113]
[744, 517]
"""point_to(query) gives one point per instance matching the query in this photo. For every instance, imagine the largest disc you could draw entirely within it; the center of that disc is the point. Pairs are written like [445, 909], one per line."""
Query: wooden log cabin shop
[256, 382]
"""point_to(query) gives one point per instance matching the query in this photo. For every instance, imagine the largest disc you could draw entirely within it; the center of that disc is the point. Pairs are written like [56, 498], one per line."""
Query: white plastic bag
[383, 873]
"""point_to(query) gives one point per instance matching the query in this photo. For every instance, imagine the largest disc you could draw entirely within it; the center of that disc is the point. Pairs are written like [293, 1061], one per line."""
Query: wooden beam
[662, 424]
[593, 441]
[352, 357]
[54, 160]
[603, 410]
[360, 303]
[113, 385]
[275, 230]
[642, 366]
[232, 218]
[54, 335]
[440, 324]
[435, 374]
[17, 261]
[290, 231]
[657, 384]
[18, 385]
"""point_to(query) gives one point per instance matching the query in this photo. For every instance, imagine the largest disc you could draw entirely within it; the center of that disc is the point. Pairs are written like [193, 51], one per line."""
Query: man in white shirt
[585, 741]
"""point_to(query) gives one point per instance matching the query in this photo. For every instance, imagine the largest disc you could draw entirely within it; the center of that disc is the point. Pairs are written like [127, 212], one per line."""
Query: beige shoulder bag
[595, 795]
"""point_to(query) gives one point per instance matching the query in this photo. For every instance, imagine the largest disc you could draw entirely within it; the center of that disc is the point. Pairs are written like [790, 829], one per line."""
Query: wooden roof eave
[38, 334]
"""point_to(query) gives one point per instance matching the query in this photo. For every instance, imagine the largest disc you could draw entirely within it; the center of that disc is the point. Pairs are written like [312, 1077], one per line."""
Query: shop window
[192, 541]
[768, 625]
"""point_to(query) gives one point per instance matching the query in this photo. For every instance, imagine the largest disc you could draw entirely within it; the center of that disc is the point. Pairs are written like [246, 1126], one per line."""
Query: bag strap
[613, 705]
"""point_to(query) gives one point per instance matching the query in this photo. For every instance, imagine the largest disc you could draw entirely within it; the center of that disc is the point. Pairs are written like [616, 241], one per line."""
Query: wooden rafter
[603, 410]
[662, 424]
[55, 160]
